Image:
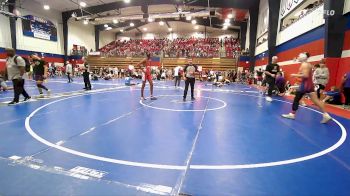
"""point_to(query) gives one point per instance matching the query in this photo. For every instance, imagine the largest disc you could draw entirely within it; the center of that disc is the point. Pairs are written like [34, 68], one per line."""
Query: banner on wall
[37, 27]
[288, 5]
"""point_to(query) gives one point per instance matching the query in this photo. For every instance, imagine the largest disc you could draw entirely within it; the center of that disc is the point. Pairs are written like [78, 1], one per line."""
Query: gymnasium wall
[5, 38]
[344, 63]
[35, 44]
[311, 42]
[80, 34]
[106, 37]
[303, 25]
[305, 35]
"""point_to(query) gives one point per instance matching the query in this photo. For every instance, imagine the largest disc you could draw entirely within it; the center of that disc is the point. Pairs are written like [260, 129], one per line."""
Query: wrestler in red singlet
[306, 87]
[146, 75]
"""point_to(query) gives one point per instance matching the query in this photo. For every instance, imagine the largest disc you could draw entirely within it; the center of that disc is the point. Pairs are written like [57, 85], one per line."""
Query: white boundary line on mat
[183, 167]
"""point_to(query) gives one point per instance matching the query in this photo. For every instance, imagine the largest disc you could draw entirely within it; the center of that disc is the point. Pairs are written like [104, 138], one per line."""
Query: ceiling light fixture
[108, 28]
[46, 7]
[82, 4]
[150, 19]
[86, 22]
[115, 21]
[106, 25]
[161, 23]
[194, 22]
[132, 24]
[126, 1]
[227, 20]
[122, 30]
[170, 29]
[144, 29]
[188, 18]
[230, 16]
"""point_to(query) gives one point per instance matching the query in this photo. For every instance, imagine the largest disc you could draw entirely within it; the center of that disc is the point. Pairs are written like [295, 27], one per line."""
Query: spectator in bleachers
[180, 47]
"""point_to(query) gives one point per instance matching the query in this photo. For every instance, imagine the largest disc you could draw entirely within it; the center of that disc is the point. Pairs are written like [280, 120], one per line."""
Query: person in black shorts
[189, 77]
[259, 75]
[270, 76]
[39, 73]
[86, 76]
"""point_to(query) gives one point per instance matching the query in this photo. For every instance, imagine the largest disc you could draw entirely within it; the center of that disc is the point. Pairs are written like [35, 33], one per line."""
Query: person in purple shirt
[280, 83]
[346, 89]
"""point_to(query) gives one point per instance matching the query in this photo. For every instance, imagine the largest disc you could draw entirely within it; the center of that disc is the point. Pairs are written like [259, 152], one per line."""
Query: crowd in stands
[311, 7]
[180, 47]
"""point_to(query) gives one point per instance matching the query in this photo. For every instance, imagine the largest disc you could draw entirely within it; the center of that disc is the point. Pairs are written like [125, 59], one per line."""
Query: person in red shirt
[146, 75]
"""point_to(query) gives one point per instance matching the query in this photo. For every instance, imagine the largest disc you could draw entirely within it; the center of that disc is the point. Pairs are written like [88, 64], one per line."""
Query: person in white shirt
[177, 76]
[69, 71]
[321, 77]
[15, 69]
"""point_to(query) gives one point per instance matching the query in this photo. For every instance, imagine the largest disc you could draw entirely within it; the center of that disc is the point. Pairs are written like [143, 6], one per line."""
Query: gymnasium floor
[230, 141]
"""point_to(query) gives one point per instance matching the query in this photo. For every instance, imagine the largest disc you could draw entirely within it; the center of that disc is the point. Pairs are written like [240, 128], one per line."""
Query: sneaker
[41, 96]
[26, 99]
[326, 118]
[269, 99]
[13, 103]
[289, 116]
[153, 98]
[48, 93]
[184, 99]
[143, 99]
[193, 99]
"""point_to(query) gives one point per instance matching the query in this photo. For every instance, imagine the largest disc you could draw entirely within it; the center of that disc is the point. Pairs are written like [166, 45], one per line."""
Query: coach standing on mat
[270, 72]
[189, 77]
[15, 68]
[86, 76]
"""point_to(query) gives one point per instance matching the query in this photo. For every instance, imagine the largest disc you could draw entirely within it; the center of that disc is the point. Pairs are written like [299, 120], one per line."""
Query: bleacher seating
[180, 47]
[219, 64]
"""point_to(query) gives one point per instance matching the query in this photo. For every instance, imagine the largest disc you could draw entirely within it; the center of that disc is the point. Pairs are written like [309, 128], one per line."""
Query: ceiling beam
[216, 23]
[167, 24]
[240, 4]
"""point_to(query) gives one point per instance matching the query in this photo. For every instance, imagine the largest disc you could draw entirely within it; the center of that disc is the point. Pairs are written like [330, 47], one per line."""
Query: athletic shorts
[306, 88]
[38, 78]
[146, 77]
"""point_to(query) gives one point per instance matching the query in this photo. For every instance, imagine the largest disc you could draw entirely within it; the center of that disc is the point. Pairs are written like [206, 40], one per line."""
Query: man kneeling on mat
[306, 87]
